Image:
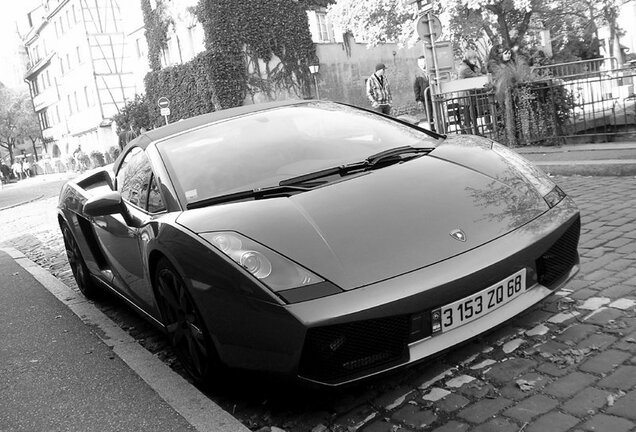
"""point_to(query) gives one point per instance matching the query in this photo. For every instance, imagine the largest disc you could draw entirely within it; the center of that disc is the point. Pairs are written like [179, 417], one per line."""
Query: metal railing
[576, 68]
[594, 106]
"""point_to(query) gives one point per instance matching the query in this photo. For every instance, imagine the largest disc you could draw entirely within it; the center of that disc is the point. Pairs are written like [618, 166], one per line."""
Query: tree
[375, 21]
[504, 22]
[28, 127]
[135, 114]
[17, 119]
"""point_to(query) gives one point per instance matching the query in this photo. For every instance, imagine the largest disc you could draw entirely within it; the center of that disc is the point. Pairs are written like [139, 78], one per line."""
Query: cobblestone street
[569, 364]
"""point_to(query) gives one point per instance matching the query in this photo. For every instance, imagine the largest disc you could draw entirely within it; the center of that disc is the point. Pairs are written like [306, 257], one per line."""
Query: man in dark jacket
[422, 96]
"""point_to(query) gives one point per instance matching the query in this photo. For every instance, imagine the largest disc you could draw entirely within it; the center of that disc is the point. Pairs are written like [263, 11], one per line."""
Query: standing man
[379, 91]
[423, 97]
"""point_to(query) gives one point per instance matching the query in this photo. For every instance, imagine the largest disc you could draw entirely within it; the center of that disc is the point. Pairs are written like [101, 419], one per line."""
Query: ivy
[189, 87]
[242, 37]
[245, 35]
[156, 24]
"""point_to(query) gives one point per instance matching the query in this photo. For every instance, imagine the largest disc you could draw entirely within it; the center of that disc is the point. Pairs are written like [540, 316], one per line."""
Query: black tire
[78, 265]
[185, 327]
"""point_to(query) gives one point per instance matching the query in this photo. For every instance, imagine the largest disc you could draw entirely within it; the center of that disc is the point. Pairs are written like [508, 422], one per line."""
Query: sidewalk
[57, 374]
[600, 159]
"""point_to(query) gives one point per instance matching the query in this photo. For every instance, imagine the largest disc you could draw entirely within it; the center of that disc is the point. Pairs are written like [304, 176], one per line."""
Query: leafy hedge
[189, 87]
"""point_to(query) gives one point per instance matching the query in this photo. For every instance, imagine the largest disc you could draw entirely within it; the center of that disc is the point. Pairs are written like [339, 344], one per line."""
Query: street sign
[443, 54]
[165, 111]
[163, 102]
[429, 27]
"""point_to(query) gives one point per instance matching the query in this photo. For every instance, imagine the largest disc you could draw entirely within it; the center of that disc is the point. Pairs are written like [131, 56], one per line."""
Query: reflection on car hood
[382, 224]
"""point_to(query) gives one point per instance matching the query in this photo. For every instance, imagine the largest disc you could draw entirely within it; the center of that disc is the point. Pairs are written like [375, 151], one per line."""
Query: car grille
[557, 261]
[345, 351]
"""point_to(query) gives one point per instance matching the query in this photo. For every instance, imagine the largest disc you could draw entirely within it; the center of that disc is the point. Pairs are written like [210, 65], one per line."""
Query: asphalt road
[34, 188]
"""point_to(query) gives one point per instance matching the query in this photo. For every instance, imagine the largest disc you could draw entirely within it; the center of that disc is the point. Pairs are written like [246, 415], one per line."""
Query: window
[141, 50]
[323, 30]
[68, 61]
[137, 184]
[57, 114]
[48, 78]
[86, 98]
[68, 103]
[35, 88]
[76, 102]
[61, 66]
[44, 119]
[74, 14]
[79, 55]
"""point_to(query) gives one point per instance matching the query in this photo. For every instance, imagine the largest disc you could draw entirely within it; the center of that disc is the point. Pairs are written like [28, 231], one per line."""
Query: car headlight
[271, 268]
[550, 192]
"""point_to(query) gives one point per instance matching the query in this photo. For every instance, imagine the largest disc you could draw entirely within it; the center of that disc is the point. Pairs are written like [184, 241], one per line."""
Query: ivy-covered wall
[190, 87]
[252, 47]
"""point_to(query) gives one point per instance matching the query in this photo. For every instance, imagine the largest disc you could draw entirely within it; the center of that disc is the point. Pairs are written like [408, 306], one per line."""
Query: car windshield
[261, 149]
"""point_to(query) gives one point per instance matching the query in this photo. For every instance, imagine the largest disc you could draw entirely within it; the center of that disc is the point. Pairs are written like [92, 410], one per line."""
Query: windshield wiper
[369, 163]
[258, 193]
[397, 151]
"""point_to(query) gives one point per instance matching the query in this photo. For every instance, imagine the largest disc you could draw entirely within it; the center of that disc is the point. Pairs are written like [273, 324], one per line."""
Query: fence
[576, 68]
[595, 105]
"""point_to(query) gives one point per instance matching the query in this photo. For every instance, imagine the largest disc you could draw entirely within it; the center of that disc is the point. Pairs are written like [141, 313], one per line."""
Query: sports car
[317, 240]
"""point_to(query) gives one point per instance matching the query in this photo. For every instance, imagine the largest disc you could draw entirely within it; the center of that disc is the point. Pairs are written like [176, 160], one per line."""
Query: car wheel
[77, 264]
[184, 325]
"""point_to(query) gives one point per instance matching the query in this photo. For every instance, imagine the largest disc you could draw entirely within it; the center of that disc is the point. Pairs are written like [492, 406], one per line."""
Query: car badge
[458, 234]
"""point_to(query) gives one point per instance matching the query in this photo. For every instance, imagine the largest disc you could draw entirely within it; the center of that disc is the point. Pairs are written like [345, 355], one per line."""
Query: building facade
[85, 59]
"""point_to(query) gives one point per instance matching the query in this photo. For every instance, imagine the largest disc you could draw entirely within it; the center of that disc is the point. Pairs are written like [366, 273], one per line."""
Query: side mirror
[108, 203]
[104, 204]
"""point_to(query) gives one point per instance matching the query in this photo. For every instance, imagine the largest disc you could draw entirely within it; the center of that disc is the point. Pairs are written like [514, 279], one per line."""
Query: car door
[124, 243]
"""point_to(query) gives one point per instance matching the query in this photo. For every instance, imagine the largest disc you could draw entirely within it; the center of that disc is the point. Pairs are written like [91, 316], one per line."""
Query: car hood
[387, 222]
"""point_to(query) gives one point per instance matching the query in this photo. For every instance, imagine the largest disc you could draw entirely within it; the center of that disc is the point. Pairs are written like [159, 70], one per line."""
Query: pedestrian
[6, 172]
[422, 91]
[470, 67]
[26, 167]
[17, 169]
[379, 90]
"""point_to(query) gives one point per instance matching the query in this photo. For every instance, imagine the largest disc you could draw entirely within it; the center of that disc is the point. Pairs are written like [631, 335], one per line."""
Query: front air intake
[557, 261]
[340, 352]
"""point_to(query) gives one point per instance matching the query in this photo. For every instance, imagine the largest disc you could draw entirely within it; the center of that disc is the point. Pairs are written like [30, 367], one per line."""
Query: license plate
[479, 304]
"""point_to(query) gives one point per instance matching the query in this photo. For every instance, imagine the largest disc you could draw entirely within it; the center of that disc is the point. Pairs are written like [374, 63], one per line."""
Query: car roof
[151, 136]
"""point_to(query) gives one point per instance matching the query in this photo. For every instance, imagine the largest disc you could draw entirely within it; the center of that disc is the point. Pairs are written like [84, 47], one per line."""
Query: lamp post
[313, 68]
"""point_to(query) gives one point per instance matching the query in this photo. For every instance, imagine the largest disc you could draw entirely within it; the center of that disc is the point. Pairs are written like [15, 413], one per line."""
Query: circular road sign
[423, 29]
[163, 102]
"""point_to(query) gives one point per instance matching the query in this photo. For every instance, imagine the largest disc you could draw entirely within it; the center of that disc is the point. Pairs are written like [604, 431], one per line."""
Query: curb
[606, 168]
[22, 203]
[197, 409]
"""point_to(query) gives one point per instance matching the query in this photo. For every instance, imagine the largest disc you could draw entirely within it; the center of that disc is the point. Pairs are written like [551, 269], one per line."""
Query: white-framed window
[323, 27]
[141, 48]
[87, 97]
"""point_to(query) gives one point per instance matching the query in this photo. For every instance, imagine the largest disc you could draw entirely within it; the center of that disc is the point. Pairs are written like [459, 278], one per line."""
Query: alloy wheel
[184, 326]
[77, 264]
